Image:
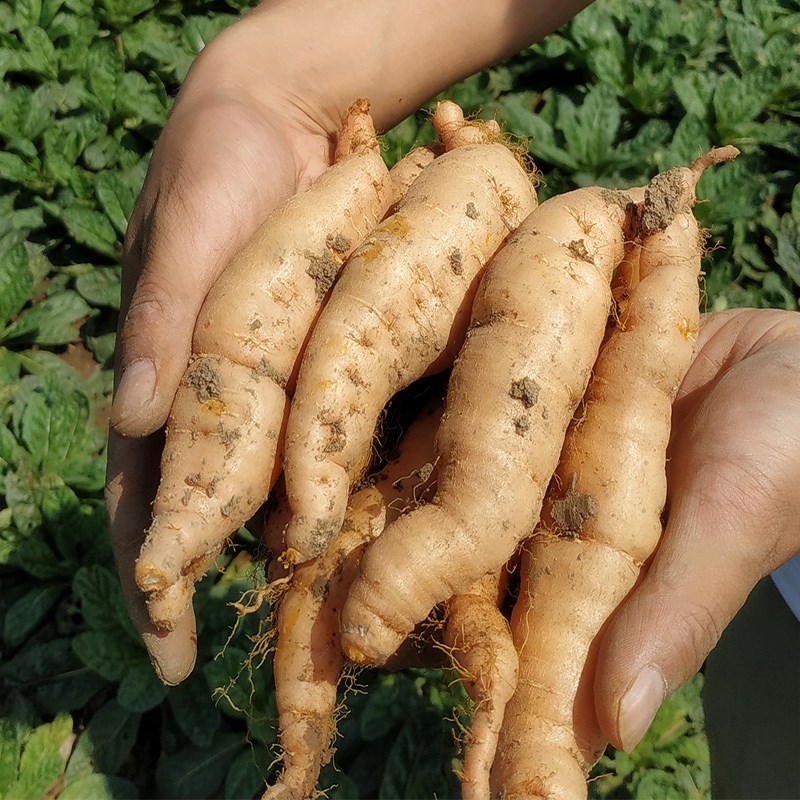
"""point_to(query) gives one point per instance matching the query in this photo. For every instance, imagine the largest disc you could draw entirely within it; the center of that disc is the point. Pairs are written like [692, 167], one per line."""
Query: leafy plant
[623, 90]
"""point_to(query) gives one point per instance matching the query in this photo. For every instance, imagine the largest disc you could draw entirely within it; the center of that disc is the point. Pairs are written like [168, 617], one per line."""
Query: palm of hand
[222, 164]
[733, 510]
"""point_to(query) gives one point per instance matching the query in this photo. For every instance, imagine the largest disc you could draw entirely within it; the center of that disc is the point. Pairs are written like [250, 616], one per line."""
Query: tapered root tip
[717, 155]
[358, 135]
[455, 131]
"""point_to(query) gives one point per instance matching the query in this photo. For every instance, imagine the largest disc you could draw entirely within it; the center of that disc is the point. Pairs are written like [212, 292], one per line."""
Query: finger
[733, 519]
[130, 488]
[192, 217]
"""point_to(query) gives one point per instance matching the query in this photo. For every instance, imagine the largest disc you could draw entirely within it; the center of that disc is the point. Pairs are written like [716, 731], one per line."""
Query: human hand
[225, 159]
[733, 510]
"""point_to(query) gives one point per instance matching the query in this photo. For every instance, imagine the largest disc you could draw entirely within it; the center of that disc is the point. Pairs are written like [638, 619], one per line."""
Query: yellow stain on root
[686, 329]
[289, 621]
[354, 654]
[395, 227]
[215, 406]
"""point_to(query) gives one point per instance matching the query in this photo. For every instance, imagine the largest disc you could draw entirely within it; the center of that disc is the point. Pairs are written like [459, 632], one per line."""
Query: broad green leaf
[105, 743]
[417, 762]
[39, 56]
[15, 169]
[99, 787]
[28, 12]
[121, 13]
[788, 247]
[140, 688]
[20, 493]
[694, 90]
[16, 720]
[246, 776]
[197, 772]
[27, 613]
[111, 654]
[102, 604]
[101, 286]
[387, 706]
[16, 283]
[53, 321]
[138, 99]
[43, 758]
[91, 228]
[116, 198]
[736, 100]
[55, 426]
[194, 710]
[104, 72]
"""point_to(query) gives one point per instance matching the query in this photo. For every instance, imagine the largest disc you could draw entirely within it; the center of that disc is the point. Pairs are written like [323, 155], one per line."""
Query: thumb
[195, 212]
[732, 520]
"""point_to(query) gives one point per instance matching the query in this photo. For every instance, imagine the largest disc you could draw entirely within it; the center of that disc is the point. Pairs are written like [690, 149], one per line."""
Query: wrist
[316, 56]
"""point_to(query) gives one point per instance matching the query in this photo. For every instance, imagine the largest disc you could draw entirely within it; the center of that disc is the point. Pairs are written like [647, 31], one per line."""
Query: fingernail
[135, 390]
[639, 705]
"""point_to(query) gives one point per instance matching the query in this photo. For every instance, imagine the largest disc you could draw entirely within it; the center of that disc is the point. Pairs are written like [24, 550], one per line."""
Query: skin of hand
[733, 514]
[254, 123]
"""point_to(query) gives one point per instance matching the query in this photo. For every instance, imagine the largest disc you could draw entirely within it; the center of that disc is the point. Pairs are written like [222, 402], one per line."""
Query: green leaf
[101, 286]
[387, 706]
[110, 654]
[194, 710]
[104, 70]
[245, 777]
[56, 427]
[102, 604]
[105, 744]
[28, 12]
[99, 787]
[197, 772]
[140, 688]
[16, 283]
[43, 758]
[27, 613]
[694, 90]
[21, 497]
[53, 321]
[416, 763]
[16, 723]
[116, 199]
[91, 228]
[15, 169]
[40, 56]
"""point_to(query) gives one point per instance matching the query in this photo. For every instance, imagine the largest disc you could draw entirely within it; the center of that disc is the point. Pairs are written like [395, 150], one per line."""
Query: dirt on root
[573, 510]
[205, 379]
[525, 389]
[664, 199]
[322, 268]
[338, 243]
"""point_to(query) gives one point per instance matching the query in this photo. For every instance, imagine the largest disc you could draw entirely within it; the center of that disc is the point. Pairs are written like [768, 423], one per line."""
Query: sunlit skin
[243, 137]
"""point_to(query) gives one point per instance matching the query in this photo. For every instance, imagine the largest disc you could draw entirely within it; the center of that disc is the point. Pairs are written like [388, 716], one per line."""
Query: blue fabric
[787, 579]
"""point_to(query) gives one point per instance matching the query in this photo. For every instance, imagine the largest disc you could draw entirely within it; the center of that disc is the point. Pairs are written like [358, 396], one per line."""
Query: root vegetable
[602, 516]
[537, 323]
[227, 419]
[308, 657]
[478, 639]
[399, 311]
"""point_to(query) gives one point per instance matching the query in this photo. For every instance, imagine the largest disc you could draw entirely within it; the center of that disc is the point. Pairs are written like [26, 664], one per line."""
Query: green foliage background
[626, 89]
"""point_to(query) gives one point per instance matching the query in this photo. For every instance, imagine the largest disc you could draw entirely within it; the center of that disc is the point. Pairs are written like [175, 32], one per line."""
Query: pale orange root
[228, 416]
[308, 659]
[408, 168]
[478, 639]
[602, 516]
[399, 311]
[537, 322]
